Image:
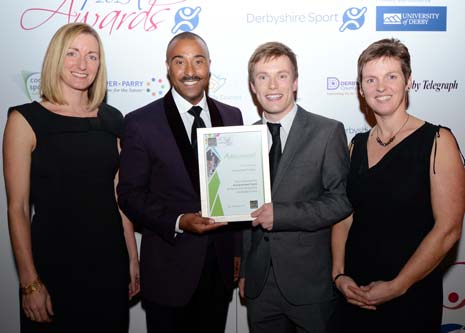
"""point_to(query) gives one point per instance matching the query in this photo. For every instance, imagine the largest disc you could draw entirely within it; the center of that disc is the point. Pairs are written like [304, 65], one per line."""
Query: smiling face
[384, 86]
[274, 85]
[81, 63]
[188, 66]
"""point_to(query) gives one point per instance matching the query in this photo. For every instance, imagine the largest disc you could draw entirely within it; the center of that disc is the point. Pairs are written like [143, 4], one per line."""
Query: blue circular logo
[353, 18]
[186, 19]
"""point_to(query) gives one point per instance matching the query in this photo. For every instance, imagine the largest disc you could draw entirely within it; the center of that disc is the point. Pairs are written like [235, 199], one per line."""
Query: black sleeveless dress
[392, 215]
[77, 236]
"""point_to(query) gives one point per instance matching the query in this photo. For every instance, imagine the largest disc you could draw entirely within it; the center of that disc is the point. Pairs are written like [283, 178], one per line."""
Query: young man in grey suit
[286, 259]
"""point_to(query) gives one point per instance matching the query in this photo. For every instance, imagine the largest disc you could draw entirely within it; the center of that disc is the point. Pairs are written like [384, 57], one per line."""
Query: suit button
[266, 238]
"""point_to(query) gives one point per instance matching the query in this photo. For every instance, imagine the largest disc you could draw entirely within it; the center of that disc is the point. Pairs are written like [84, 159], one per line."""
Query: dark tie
[275, 151]
[198, 123]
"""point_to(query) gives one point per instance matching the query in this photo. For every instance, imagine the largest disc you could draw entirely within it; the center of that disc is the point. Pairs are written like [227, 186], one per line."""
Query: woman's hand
[134, 284]
[379, 292]
[38, 305]
[353, 293]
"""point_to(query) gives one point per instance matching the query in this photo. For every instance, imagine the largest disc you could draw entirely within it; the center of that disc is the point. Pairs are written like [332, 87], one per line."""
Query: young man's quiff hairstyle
[52, 67]
[272, 50]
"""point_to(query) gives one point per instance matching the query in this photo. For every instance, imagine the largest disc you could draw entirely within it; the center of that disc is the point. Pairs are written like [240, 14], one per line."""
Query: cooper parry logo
[186, 19]
[353, 18]
[392, 18]
[156, 87]
[32, 84]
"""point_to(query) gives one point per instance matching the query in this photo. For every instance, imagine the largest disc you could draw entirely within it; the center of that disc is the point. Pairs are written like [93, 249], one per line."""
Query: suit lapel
[215, 115]
[182, 139]
[292, 143]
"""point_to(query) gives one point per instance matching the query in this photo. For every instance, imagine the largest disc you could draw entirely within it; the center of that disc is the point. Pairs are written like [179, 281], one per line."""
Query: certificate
[234, 171]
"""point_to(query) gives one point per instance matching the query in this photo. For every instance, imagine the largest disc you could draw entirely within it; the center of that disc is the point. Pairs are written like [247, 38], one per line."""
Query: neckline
[63, 116]
[390, 152]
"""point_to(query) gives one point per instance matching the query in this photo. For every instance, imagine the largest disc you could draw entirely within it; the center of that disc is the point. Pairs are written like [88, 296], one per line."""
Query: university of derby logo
[186, 19]
[353, 19]
[411, 18]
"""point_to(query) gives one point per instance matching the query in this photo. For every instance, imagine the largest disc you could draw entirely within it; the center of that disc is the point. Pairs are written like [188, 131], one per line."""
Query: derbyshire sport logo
[411, 18]
[353, 18]
[186, 19]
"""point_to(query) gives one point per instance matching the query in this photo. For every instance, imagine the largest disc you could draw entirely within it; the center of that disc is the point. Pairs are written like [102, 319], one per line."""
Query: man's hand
[263, 216]
[195, 223]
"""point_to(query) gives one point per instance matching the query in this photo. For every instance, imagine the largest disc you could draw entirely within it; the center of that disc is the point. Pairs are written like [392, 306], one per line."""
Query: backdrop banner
[326, 35]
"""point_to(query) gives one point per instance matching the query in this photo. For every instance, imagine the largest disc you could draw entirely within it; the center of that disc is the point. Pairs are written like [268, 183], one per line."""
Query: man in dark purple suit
[187, 262]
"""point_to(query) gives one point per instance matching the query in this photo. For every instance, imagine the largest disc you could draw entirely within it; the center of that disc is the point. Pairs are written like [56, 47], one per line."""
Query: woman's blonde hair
[52, 67]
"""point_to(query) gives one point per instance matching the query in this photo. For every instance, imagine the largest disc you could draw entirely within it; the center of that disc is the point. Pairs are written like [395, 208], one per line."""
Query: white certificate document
[234, 171]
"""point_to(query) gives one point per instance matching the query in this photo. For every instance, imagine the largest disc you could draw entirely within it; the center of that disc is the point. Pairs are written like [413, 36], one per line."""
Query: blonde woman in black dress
[78, 255]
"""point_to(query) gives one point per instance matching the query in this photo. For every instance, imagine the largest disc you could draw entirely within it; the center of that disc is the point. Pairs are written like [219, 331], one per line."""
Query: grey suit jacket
[309, 195]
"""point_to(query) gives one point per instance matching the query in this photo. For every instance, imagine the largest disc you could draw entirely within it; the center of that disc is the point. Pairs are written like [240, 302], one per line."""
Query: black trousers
[206, 312]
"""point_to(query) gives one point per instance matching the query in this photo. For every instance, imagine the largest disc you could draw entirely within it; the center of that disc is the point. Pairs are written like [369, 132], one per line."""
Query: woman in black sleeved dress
[407, 188]
[78, 255]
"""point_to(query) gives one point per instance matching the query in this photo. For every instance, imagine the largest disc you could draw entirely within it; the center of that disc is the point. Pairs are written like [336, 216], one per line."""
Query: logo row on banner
[132, 15]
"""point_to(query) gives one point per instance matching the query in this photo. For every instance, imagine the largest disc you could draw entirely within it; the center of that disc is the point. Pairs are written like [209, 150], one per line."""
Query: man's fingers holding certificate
[263, 216]
[195, 223]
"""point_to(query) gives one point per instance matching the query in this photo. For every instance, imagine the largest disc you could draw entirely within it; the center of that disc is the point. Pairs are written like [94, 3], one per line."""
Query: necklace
[392, 138]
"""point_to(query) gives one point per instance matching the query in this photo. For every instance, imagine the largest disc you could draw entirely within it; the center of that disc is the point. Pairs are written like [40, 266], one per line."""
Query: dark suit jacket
[308, 195]
[158, 181]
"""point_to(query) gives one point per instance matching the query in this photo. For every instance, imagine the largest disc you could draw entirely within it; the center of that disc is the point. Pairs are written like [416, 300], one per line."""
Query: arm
[131, 245]
[330, 207]
[18, 143]
[134, 286]
[339, 233]
[448, 203]
[344, 283]
[136, 198]
[134, 195]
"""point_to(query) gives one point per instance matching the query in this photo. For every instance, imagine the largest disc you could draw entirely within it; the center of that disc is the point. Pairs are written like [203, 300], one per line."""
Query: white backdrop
[326, 35]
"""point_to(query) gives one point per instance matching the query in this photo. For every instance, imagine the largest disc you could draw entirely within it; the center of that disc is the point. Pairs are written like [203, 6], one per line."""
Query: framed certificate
[234, 171]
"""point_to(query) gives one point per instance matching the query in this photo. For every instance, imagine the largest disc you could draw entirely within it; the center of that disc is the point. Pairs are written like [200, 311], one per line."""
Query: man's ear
[252, 86]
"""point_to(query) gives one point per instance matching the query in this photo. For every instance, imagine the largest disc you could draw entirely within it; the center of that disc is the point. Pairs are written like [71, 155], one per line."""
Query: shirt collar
[184, 106]
[286, 121]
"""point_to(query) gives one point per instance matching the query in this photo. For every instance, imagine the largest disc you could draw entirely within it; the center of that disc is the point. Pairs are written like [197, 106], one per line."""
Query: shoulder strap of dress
[437, 136]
